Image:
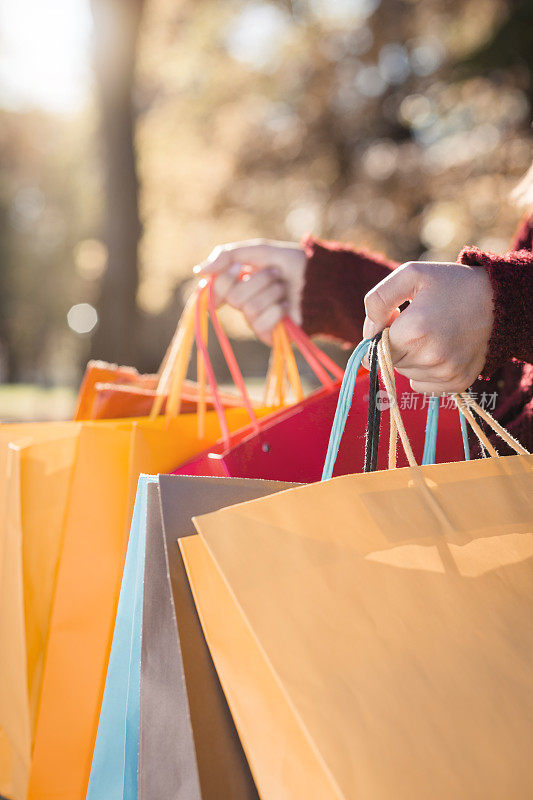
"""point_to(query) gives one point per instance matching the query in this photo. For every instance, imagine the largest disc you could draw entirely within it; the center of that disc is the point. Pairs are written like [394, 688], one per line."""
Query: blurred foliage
[397, 125]
[49, 202]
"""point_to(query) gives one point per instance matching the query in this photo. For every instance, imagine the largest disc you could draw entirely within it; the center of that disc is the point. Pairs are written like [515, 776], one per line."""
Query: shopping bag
[108, 391]
[111, 773]
[291, 444]
[100, 374]
[37, 470]
[109, 456]
[111, 392]
[36, 464]
[188, 743]
[384, 620]
[189, 747]
[108, 462]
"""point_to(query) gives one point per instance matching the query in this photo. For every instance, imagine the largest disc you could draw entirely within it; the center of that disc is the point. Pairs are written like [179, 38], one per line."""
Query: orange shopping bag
[108, 463]
[372, 632]
[108, 391]
[55, 484]
[35, 469]
[65, 516]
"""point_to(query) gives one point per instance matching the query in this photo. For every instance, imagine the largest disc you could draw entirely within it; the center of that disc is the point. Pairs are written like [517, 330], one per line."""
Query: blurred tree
[48, 198]
[116, 29]
[253, 118]
[5, 295]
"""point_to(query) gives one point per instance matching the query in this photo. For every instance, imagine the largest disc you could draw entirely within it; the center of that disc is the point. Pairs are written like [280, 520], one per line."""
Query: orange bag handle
[194, 324]
[207, 302]
[204, 355]
[283, 359]
[176, 361]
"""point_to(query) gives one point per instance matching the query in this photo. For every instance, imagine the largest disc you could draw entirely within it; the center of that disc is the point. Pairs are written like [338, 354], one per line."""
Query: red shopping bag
[291, 444]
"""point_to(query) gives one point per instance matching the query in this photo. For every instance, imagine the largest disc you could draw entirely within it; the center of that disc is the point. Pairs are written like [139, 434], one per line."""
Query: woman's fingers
[262, 299]
[274, 294]
[225, 281]
[265, 323]
[253, 253]
[242, 291]
[440, 340]
[261, 296]
[268, 262]
[383, 300]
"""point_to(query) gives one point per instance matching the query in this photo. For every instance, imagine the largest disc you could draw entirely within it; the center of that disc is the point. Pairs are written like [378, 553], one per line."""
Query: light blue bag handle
[116, 752]
[464, 432]
[343, 408]
[432, 423]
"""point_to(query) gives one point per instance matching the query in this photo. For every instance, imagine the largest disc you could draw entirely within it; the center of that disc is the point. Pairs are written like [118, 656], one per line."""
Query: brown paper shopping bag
[189, 747]
[373, 634]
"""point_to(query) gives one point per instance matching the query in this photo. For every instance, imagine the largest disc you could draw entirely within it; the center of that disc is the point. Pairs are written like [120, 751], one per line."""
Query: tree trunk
[116, 24]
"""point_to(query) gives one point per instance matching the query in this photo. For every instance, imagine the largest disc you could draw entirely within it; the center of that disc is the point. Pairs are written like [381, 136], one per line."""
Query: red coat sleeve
[337, 278]
[511, 277]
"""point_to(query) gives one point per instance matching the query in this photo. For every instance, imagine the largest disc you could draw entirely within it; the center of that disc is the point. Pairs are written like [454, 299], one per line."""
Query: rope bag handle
[466, 405]
[464, 402]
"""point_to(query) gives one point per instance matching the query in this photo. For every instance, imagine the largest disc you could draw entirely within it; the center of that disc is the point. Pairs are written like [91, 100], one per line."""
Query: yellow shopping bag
[35, 470]
[108, 464]
[372, 633]
[64, 516]
[67, 494]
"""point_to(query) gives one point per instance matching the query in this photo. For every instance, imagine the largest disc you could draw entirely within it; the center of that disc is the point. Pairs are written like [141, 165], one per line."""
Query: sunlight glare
[45, 54]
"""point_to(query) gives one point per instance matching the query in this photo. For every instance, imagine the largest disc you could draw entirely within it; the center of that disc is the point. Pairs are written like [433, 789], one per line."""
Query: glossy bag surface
[394, 657]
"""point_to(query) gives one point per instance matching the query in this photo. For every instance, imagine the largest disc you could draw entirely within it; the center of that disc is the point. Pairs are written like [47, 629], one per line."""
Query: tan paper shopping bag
[189, 747]
[385, 624]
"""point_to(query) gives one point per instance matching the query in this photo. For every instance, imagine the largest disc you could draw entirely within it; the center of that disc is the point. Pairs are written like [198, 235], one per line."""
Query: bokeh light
[82, 318]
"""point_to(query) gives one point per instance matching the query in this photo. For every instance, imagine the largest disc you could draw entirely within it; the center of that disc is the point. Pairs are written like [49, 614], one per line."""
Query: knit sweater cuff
[323, 279]
[511, 279]
[337, 278]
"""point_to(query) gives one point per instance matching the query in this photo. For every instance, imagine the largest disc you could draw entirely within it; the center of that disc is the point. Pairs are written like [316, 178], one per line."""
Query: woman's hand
[270, 291]
[440, 341]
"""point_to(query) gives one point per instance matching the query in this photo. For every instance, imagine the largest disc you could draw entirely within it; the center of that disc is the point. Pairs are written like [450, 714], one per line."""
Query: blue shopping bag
[116, 752]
